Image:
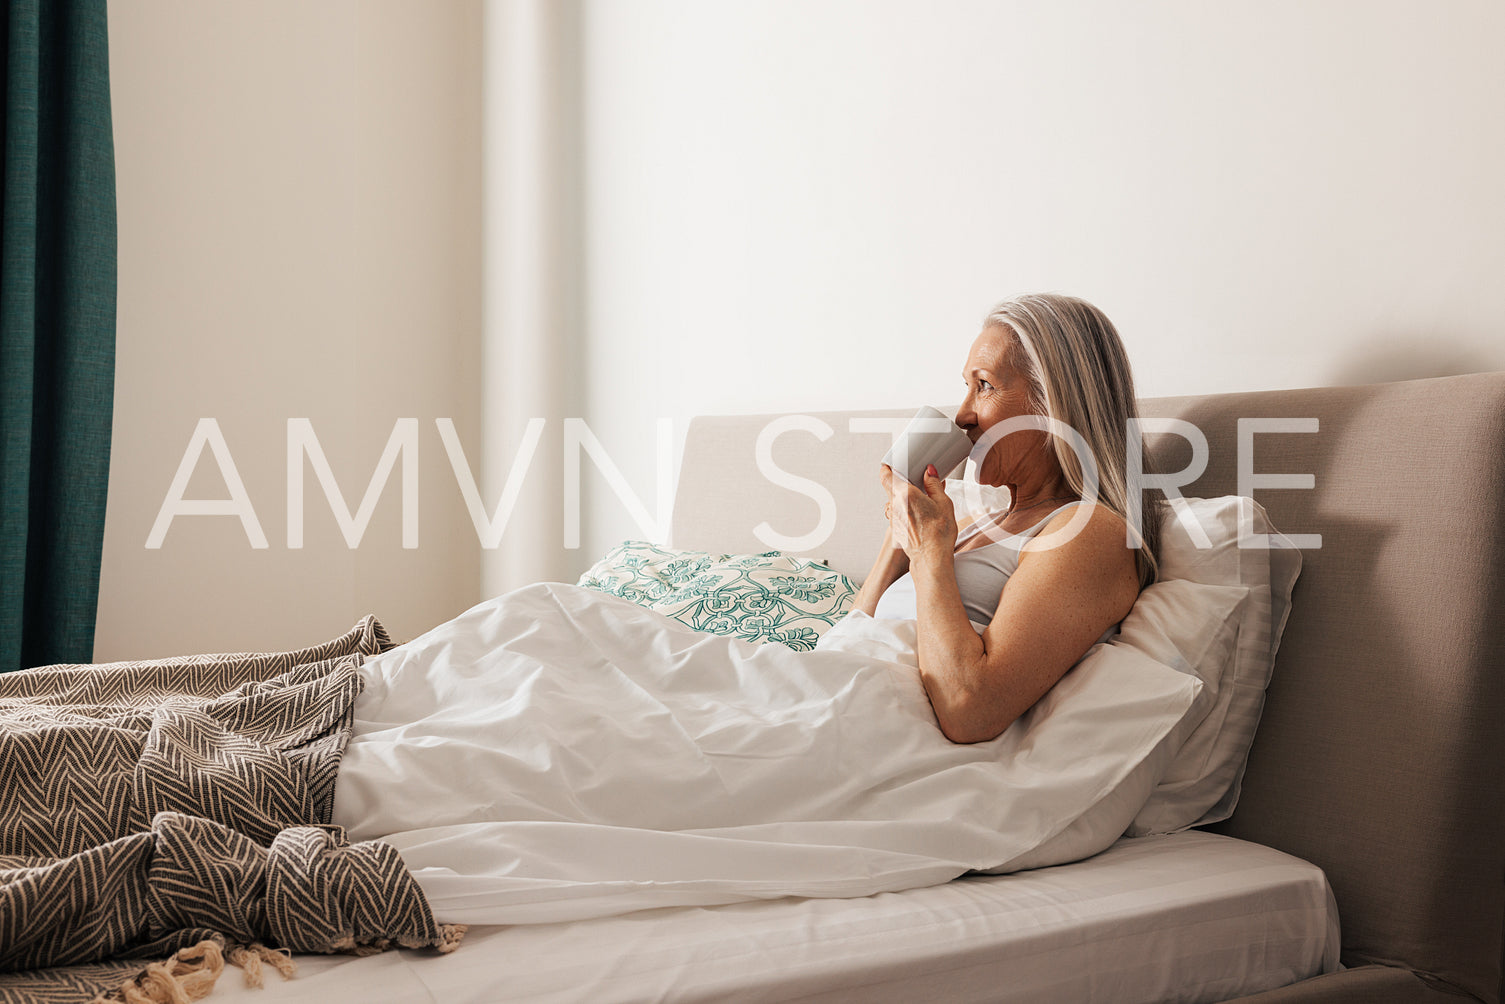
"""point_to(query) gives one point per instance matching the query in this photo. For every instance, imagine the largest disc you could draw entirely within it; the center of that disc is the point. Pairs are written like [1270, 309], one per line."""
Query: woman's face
[996, 391]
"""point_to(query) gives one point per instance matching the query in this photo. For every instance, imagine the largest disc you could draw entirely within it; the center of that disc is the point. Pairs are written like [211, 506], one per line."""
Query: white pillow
[1105, 732]
[1200, 543]
[1189, 626]
[1176, 623]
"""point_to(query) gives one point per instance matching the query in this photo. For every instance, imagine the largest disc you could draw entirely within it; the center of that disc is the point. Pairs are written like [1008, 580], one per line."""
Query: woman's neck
[1034, 489]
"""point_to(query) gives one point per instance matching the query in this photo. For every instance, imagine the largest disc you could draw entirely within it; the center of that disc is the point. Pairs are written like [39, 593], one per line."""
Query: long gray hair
[1078, 374]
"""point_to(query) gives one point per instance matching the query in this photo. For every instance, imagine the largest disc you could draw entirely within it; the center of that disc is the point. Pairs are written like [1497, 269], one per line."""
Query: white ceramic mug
[930, 438]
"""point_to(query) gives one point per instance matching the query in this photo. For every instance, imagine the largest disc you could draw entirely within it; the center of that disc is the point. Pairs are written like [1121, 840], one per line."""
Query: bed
[1377, 756]
[1353, 867]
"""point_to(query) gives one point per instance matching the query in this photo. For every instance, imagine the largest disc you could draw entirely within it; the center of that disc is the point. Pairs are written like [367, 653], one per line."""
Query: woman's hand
[921, 522]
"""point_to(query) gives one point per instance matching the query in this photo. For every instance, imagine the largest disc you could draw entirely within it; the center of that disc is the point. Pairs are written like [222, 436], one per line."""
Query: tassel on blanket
[188, 975]
[450, 936]
[250, 957]
[447, 940]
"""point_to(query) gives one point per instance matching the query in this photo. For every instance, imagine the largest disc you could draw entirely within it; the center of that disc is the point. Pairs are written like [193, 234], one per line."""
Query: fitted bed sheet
[1191, 916]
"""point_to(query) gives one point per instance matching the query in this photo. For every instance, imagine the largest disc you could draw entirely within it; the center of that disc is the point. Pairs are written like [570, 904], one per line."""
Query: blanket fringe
[190, 973]
[449, 938]
[187, 975]
[250, 957]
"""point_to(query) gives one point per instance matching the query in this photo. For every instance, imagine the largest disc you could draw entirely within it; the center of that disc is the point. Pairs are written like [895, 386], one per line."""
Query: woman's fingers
[913, 515]
[918, 518]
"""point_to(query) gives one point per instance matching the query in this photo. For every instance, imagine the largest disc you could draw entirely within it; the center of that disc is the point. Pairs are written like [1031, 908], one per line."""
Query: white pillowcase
[1200, 543]
[1176, 623]
[1111, 724]
[1208, 616]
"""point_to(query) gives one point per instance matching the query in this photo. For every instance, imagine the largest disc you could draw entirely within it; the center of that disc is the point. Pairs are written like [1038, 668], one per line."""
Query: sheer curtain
[532, 264]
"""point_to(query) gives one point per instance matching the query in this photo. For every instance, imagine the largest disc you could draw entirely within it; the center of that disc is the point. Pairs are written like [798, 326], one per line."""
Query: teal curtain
[57, 326]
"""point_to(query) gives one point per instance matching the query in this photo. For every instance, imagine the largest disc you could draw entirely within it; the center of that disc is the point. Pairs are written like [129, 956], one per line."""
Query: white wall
[807, 204]
[298, 191]
[782, 204]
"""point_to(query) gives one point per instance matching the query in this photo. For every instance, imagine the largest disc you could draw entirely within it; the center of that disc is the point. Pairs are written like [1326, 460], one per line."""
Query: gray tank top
[980, 575]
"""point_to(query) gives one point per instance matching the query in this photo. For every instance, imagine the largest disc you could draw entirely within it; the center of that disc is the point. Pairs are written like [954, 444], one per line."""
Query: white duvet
[557, 753]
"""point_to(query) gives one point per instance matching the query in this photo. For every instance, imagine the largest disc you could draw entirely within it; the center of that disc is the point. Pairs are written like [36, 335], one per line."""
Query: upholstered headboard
[1381, 754]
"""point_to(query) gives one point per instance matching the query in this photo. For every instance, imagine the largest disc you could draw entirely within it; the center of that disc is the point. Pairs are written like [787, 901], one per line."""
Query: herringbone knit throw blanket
[149, 807]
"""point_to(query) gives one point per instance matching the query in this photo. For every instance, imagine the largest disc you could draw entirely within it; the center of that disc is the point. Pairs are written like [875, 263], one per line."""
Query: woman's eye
[984, 385]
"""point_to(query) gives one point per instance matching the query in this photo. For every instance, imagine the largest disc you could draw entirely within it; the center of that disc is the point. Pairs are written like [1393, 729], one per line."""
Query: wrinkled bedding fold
[558, 754]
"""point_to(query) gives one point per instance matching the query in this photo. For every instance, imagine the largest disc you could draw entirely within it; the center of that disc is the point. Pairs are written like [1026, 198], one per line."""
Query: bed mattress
[1191, 916]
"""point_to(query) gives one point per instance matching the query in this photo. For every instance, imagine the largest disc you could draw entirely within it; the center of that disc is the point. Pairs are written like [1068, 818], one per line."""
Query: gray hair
[1078, 374]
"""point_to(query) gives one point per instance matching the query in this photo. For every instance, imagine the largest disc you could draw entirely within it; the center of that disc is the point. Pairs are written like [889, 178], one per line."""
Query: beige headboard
[723, 496]
[1381, 754]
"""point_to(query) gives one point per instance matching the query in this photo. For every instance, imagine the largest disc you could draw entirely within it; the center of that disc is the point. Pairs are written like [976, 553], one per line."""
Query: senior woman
[1060, 567]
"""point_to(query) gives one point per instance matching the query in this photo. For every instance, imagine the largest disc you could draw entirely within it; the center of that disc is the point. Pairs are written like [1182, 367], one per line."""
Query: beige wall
[299, 193]
[781, 205]
[807, 204]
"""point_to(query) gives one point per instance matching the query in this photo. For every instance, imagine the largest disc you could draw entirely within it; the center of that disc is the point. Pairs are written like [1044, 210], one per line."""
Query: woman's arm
[892, 560]
[1056, 604]
[890, 563]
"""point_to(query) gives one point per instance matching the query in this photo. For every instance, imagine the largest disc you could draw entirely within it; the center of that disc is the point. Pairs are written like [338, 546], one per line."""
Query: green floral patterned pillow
[756, 597]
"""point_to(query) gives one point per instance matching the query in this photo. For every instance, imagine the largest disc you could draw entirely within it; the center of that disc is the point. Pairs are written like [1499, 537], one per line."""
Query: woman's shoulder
[1090, 529]
[1088, 542]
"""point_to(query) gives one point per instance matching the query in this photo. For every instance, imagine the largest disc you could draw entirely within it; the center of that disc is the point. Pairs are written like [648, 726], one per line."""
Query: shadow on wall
[1388, 358]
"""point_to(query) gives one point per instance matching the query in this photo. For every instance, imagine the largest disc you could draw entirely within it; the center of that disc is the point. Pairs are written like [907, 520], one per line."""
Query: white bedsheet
[1190, 917]
[559, 754]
